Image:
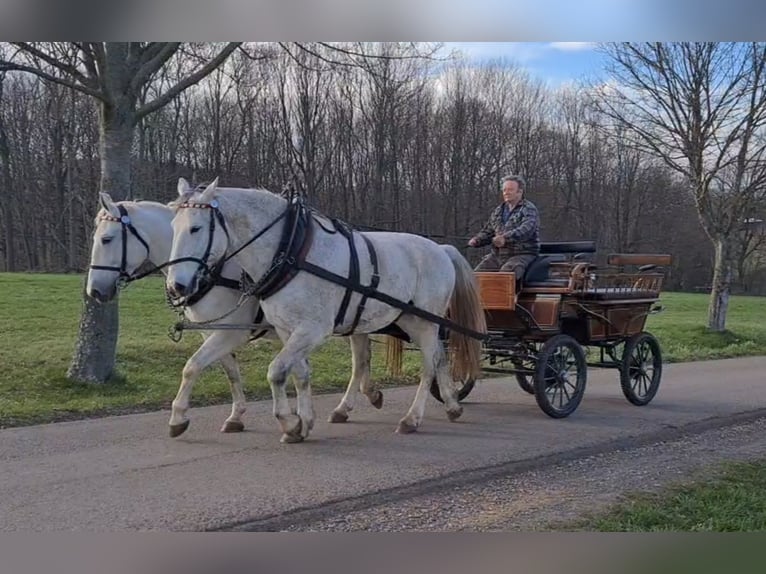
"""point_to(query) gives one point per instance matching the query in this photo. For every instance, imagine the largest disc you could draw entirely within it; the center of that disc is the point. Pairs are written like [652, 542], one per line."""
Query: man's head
[513, 188]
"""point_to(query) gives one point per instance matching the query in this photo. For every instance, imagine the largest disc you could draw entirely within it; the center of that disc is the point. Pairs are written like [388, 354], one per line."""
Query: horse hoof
[233, 426]
[338, 417]
[454, 414]
[295, 431]
[179, 429]
[291, 438]
[406, 427]
[377, 402]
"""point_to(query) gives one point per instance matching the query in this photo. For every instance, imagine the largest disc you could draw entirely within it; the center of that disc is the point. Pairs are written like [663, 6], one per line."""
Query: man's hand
[498, 240]
[473, 242]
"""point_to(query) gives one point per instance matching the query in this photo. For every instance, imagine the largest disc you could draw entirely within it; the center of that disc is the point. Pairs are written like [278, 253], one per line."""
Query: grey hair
[517, 178]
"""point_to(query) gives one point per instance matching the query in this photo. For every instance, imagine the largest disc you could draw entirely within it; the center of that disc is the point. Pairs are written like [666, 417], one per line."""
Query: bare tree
[304, 90]
[114, 74]
[701, 107]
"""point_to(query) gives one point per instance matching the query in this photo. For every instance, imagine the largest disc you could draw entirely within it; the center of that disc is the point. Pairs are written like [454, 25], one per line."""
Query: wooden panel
[505, 320]
[638, 259]
[627, 320]
[544, 309]
[547, 290]
[597, 329]
[497, 289]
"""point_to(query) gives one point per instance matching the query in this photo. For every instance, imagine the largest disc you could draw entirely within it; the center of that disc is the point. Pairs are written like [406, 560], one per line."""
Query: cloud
[572, 46]
[522, 52]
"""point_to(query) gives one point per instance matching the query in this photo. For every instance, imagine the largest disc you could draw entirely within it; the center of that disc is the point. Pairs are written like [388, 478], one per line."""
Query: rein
[215, 214]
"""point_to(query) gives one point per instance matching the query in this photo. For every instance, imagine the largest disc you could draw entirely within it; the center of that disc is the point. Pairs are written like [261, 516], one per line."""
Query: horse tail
[394, 356]
[465, 309]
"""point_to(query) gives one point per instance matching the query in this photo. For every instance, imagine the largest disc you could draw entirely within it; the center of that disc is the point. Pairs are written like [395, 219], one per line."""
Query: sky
[556, 63]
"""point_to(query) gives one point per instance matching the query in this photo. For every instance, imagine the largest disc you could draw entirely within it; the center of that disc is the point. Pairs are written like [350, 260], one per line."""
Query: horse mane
[200, 187]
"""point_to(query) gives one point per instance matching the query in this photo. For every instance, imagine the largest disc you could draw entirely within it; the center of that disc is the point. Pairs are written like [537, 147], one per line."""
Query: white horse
[121, 246]
[250, 225]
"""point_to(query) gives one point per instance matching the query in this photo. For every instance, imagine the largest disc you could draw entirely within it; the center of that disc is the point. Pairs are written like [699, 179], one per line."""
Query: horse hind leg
[238, 402]
[434, 365]
[360, 380]
[375, 396]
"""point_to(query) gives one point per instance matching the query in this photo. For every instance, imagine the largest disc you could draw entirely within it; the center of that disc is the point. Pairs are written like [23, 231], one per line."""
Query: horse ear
[209, 192]
[183, 186]
[106, 202]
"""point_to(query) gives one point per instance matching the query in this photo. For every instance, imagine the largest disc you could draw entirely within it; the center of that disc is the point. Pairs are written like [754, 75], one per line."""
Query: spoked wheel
[463, 388]
[560, 376]
[641, 368]
[525, 381]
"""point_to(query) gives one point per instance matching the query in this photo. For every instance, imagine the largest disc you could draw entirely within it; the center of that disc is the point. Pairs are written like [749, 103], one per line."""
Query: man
[513, 229]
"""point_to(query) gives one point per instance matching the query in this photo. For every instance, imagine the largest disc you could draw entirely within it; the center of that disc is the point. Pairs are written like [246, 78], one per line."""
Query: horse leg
[375, 396]
[434, 365]
[360, 380]
[215, 347]
[293, 359]
[238, 401]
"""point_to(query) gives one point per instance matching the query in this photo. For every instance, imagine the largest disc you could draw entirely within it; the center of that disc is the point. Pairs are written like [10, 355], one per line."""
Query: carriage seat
[538, 272]
[566, 247]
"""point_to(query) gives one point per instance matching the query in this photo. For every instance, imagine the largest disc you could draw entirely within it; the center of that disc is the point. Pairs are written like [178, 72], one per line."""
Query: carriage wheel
[641, 368]
[464, 389]
[525, 381]
[560, 376]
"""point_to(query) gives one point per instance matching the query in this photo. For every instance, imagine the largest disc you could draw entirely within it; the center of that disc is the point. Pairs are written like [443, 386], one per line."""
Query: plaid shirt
[521, 230]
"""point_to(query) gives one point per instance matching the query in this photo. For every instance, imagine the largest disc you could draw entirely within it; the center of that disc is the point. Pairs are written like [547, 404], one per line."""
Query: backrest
[567, 247]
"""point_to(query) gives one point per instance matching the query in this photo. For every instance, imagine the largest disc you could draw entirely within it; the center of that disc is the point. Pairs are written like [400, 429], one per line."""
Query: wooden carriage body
[567, 303]
[575, 297]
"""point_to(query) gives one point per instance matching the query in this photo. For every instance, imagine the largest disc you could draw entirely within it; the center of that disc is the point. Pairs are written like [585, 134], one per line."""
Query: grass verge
[39, 314]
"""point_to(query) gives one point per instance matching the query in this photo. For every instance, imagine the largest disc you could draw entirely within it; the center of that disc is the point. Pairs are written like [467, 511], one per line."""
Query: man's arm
[485, 235]
[529, 224]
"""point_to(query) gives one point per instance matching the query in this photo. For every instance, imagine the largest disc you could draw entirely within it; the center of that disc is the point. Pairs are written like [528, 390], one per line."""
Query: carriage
[571, 314]
[359, 284]
[318, 277]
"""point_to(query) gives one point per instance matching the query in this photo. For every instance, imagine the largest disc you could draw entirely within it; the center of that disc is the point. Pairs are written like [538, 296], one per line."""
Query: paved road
[125, 473]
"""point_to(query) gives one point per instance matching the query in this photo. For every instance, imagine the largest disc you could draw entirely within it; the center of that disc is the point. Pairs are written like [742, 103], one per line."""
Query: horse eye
[195, 229]
[106, 240]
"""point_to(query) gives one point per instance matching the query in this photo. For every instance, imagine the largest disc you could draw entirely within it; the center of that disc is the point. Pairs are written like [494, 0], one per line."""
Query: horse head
[119, 248]
[200, 239]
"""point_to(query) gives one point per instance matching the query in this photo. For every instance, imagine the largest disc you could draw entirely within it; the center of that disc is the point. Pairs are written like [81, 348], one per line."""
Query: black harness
[210, 280]
[126, 226]
[290, 258]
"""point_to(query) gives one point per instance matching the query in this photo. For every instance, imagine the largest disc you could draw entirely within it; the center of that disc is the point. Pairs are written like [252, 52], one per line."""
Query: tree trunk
[719, 294]
[96, 348]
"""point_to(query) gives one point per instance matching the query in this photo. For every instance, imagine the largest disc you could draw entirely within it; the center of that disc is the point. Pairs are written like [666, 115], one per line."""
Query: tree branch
[152, 59]
[67, 69]
[13, 67]
[190, 80]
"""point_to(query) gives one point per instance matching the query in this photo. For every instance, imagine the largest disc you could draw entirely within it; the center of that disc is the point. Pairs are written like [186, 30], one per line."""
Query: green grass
[683, 335]
[732, 499]
[39, 315]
